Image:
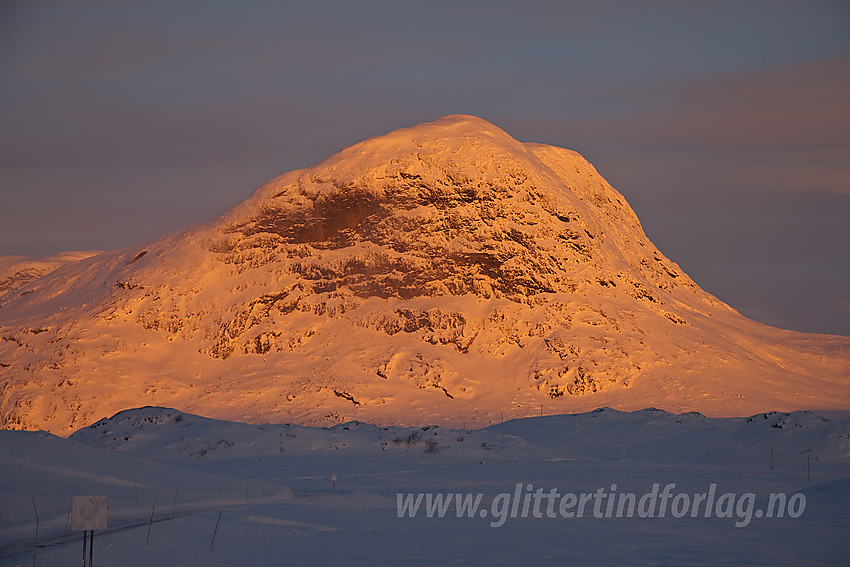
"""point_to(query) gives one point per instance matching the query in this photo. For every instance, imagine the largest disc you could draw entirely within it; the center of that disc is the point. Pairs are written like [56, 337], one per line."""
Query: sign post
[89, 513]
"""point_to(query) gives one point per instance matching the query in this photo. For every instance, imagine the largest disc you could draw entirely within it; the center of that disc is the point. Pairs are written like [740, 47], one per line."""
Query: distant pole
[85, 545]
[91, 548]
[808, 467]
[215, 531]
[35, 546]
[67, 520]
[150, 523]
[174, 505]
[771, 458]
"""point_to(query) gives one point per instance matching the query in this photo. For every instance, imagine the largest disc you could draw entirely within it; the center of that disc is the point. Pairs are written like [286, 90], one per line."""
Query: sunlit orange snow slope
[444, 273]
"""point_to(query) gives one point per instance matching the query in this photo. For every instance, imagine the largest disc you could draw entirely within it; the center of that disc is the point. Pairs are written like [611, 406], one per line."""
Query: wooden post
[215, 531]
[67, 521]
[808, 467]
[150, 523]
[35, 546]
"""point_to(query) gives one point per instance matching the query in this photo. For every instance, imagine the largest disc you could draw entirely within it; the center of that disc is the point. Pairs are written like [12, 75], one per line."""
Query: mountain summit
[443, 273]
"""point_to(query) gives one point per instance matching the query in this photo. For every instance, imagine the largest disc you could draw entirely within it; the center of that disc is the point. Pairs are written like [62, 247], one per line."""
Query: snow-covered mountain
[17, 271]
[444, 273]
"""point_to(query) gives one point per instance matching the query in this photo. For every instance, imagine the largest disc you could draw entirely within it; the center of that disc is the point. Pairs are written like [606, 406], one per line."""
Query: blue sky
[725, 124]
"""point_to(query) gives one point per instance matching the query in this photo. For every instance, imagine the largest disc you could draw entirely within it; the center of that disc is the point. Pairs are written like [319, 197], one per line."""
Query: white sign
[89, 513]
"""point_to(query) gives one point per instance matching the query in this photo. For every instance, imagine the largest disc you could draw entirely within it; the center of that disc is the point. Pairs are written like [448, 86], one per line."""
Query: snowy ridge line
[767, 441]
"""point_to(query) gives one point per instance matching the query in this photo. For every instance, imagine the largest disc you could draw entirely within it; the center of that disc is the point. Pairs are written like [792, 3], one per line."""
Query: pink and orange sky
[725, 124]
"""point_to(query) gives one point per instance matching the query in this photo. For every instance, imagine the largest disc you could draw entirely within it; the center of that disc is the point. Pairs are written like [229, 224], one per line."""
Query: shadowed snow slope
[188, 490]
[444, 273]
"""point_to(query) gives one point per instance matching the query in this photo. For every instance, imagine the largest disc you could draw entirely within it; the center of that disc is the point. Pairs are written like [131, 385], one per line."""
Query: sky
[725, 124]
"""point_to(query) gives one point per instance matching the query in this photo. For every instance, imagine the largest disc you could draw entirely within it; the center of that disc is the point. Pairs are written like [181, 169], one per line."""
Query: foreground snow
[171, 477]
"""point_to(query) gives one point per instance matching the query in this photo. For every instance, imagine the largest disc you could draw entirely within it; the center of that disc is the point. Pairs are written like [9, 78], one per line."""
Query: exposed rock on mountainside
[440, 273]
